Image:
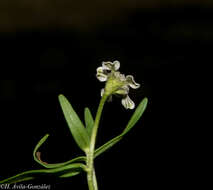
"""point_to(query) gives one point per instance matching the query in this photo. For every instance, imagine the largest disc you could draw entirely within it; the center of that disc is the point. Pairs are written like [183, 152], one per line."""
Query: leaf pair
[81, 135]
[89, 121]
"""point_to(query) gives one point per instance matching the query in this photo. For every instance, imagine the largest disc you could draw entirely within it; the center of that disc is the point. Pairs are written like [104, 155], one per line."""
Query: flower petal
[100, 70]
[101, 74]
[131, 82]
[102, 91]
[107, 65]
[116, 65]
[128, 103]
[101, 77]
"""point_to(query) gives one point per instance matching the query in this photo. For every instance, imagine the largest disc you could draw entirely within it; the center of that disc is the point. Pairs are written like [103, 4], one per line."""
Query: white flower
[116, 83]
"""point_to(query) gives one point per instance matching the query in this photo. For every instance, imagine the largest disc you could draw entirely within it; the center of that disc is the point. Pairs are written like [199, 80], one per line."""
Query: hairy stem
[91, 177]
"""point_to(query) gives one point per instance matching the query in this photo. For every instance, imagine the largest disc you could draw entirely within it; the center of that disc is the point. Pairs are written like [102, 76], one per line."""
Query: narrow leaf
[75, 125]
[66, 175]
[89, 121]
[36, 156]
[107, 145]
[31, 174]
[135, 117]
[25, 179]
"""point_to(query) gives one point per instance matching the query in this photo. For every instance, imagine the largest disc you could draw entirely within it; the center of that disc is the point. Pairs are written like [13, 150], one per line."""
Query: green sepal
[76, 127]
[46, 165]
[89, 121]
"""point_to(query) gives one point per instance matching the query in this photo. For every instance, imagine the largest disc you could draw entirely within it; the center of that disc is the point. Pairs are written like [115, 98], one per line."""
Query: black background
[161, 48]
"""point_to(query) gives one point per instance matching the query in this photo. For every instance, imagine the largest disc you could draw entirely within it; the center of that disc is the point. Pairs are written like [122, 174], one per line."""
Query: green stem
[91, 178]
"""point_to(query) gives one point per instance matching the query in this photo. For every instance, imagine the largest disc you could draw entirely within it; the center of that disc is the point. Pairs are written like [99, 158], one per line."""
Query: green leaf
[37, 158]
[22, 179]
[69, 168]
[107, 145]
[66, 175]
[89, 121]
[133, 120]
[136, 116]
[31, 174]
[75, 125]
